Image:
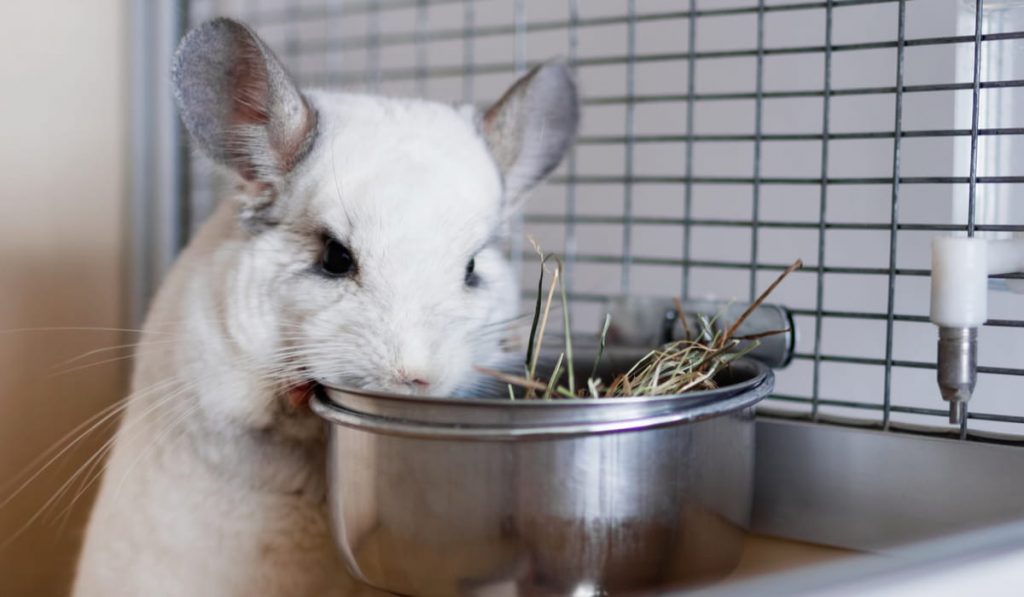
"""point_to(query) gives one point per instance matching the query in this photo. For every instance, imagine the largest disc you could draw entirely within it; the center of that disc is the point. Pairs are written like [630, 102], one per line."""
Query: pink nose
[417, 381]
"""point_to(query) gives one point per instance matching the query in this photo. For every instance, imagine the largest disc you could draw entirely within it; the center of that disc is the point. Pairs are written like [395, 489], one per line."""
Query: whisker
[89, 353]
[67, 484]
[69, 329]
[163, 436]
[85, 366]
[78, 435]
[98, 455]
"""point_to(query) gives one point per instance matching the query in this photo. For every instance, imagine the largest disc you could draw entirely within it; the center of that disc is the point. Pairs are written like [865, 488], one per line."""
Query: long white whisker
[85, 366]
[64, 487]
[104, 415]
[97, 456]
[124, 430]
[164, 435]
[88, 354]
[69, 329]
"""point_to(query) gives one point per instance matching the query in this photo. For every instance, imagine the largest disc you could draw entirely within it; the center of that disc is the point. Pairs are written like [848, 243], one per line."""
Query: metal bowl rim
[740, 396]
[341, 416]
[761, 371]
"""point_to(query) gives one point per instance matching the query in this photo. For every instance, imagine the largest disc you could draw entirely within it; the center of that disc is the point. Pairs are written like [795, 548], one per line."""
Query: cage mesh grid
[846, 365]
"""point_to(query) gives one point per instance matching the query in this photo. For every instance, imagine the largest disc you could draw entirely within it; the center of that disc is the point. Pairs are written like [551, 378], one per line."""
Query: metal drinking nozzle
[957, 370]
[960, 271]
[958, 307]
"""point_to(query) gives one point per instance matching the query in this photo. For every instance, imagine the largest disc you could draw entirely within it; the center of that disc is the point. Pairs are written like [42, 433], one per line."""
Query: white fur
[215, 486]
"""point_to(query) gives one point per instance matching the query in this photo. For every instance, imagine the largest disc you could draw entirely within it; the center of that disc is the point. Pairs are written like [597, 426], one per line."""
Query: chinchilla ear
[239, 103]
[532, 126]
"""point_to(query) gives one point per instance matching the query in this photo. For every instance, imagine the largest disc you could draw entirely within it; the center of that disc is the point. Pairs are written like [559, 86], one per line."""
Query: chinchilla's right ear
[239, 103]
[531, 127]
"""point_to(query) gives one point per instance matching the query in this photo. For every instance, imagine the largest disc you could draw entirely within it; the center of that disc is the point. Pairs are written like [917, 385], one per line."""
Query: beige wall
[62, 197]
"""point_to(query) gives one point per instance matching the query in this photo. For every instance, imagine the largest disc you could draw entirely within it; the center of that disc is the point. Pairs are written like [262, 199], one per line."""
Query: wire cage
[722, 139]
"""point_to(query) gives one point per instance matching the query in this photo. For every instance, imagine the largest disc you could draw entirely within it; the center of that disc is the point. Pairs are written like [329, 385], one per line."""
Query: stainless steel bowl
[434, 496]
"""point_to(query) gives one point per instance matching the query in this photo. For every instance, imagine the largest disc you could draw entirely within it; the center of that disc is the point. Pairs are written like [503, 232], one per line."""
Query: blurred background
[721, 140]
[63, 212]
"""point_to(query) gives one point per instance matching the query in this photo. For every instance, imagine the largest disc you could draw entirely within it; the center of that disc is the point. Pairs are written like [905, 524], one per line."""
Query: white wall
[62, 196]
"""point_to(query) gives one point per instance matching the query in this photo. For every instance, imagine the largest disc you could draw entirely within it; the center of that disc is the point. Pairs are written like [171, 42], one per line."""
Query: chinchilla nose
[412, 358]
[416, 380]
[413, 371]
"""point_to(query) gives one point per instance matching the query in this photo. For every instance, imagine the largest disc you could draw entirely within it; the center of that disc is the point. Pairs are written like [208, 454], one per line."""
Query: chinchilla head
[366, 252]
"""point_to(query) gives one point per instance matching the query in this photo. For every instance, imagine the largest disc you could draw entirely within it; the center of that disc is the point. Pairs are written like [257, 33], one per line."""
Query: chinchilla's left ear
[532, 126]
[239, 103]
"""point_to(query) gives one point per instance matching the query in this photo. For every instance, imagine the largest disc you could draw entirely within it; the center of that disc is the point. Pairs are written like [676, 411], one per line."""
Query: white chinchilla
[361, 250]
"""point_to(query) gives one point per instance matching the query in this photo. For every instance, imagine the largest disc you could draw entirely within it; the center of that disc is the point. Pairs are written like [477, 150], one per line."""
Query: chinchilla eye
[336, 259]
[472, 280]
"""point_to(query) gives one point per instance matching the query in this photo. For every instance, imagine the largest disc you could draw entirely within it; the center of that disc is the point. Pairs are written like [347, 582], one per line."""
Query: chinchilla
[361, 248]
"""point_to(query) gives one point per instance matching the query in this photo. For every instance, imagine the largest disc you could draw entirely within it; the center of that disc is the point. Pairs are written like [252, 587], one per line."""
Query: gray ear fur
[532, 126]
[239, 103]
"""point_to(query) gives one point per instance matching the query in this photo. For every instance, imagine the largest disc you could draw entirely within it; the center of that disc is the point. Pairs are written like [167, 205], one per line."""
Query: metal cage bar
[691, 68]
[571, 216]
[278, 14]
[422, 16]
[627, 190]
[819, 296]
[894, 218]
[973, 184]
[506, 67]
[468, 43]
[755, 209]
[975, 107]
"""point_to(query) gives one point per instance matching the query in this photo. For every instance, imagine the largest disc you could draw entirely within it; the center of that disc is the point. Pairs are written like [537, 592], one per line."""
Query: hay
[681, 366]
